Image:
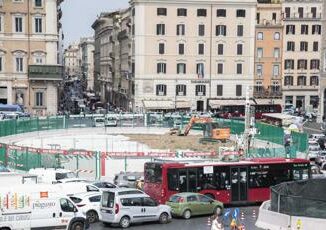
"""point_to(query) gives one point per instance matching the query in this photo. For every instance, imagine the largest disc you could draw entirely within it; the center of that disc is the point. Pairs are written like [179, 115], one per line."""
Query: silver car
[127, 206]
[127, 179]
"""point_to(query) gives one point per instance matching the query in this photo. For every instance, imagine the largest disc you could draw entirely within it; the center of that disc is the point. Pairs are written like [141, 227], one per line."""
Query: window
[316, 29]
[181, 29]
[201, 30]
[314, 64]
[258, 18]
[276, 70]
[301, 80]
[259, 70]
[220, 30]
[314, 12]
[221, 13]
[161, 48]
[274, 16]
[182, 12]
[220, 68]
[240, 30]
[220, 49]
[181, 90]
[290, 46]
[181, 48]
[1, 21]
[39, 99]
[259, 87]
[239, 49]
[315, 47]
[304, 46]
[288, 80]
[238, 90]
[67, 205]
[153, 172]
[160, 29]
[219, 90]
[18, 24]
[1, 64]
[241, 13]
[276, 52]
[161, 11]
[131, 202]
[277, 36]
[260, 36]
[260, 52]
[108, 199]
[304, 29]
[287, 12]
[181, 68]
[239, 68]
[314, 81]
[290, 29]
[289, 64]
[302, 64]
[19, 64]
[161, 90]
[95, 199]
[192, 198]
[201, 49]
[200, 70]
[201, 12]
[200, 90]
[38, 25]
[161, 67]
[149, 202]
[38, 3]
[38, 60]
[300, 12]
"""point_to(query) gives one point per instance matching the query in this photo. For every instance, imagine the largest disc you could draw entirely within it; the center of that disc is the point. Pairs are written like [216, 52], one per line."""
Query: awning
[158, 104]
[217, 103]
[183, 104]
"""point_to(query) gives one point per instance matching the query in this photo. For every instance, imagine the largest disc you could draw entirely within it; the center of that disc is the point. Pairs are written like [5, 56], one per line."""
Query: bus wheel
[210, 196]
[186, 214]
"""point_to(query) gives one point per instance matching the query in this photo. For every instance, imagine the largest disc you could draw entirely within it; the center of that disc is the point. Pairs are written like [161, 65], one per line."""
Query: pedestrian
[233, 225]
[217, 223]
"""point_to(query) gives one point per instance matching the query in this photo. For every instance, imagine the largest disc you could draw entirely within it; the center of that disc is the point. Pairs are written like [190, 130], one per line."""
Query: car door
[206, 204]
[133, 207]
[150, 209]
[193, 204]
[67, 212]
[95, 202]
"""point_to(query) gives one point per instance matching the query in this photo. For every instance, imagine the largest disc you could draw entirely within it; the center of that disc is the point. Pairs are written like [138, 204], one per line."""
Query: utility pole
[247, 122]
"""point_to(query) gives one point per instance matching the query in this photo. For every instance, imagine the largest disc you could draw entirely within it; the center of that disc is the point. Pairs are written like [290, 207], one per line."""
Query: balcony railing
[46, 72]
[305, 16]
[266, 93]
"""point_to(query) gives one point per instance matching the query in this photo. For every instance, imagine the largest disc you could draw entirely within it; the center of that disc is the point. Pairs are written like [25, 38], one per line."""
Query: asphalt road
[247, 216]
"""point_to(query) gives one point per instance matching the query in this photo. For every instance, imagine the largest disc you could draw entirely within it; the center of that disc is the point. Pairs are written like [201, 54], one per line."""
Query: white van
[76, 187]
[26, 207]
[124, 206]
[51, 175]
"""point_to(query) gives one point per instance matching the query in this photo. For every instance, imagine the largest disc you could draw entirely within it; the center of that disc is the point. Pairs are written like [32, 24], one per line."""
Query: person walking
[217, 223]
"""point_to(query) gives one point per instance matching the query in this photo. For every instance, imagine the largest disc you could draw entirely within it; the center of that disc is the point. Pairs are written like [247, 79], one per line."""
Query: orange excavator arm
[195, 120]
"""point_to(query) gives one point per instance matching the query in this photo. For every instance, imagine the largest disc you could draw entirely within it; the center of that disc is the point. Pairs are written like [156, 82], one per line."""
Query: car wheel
[125, 222]
[218, 210]
[186, 214]
[92, 216]
[77, 226]
[164, 218]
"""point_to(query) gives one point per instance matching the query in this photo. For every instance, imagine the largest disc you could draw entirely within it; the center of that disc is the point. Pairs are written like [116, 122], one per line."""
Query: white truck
[26, 207]
[51, 175]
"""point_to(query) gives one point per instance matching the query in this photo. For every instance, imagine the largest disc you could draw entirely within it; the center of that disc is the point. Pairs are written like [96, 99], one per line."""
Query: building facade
[323, 65]
[29, 40]
[192, 54]
[301, 53]
[268, 53]
[72, 60]
[86, 47]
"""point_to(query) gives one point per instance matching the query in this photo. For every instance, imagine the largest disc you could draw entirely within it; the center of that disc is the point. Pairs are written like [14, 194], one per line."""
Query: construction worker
[217, 223]
[233, 225]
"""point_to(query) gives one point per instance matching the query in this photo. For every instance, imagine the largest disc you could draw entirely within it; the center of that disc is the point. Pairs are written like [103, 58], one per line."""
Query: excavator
[212, 131]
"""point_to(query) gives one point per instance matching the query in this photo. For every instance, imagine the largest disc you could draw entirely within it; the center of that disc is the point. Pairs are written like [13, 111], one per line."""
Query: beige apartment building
[192, 54]
[268, 53]
[29, 41]
[301, 53]
[86, 47]
[72, 60]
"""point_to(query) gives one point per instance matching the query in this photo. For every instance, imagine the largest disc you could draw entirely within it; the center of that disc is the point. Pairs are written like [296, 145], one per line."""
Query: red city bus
[229, 111]
[229, 182]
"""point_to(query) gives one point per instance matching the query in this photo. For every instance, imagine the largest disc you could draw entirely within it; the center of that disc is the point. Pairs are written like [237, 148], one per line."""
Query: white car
[89, 204]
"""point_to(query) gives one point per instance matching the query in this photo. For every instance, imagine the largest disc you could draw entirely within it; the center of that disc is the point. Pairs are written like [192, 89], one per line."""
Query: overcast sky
[79, 15]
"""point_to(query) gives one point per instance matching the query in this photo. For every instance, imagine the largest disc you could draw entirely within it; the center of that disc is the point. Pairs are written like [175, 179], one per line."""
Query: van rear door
[108, 206]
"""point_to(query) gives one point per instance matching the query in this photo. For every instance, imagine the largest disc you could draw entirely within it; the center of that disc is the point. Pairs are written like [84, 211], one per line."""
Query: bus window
[173, 180]
[192, 180]
[206, 181]
[153, 173]
[300, 174]
[182, 180]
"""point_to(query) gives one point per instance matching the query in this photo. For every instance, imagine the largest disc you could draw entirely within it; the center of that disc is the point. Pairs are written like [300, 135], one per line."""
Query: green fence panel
[300, 141]
[2, 155]
[272, 153]
[270, 133]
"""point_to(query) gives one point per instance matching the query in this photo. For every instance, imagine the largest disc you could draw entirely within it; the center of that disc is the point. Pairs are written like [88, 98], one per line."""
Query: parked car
[123, 207]
[89, 204]
[191, 204]
[111, 121]
[321, 158]
[99, 122]
[316, 172]
[313, 150]
[104, 184]
[127, 179]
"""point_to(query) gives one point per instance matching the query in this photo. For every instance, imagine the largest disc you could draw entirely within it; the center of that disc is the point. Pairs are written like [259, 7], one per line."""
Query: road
[247, 216]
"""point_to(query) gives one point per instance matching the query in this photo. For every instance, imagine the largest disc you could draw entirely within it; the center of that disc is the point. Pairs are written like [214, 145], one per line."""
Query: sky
[79, 15]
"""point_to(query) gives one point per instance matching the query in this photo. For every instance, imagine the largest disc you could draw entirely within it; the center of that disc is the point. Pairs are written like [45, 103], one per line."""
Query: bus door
[239, 183]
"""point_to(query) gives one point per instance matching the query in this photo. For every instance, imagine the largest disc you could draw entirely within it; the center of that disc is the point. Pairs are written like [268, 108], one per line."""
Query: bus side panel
[154, 190]
[221, 195]
[258, 194]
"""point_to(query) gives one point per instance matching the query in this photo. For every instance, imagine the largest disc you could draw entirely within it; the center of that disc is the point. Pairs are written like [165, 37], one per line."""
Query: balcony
[260, 92]
[303, 17]
[46, 72]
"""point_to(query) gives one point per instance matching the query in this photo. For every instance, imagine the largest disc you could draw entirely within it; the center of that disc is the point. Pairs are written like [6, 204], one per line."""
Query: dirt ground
[173, 142]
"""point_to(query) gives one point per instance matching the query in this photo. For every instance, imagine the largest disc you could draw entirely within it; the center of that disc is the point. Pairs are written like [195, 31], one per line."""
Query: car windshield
[175, 199]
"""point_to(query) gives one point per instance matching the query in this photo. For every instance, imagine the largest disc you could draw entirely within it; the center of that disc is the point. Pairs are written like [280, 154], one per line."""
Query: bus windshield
[153, 173]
